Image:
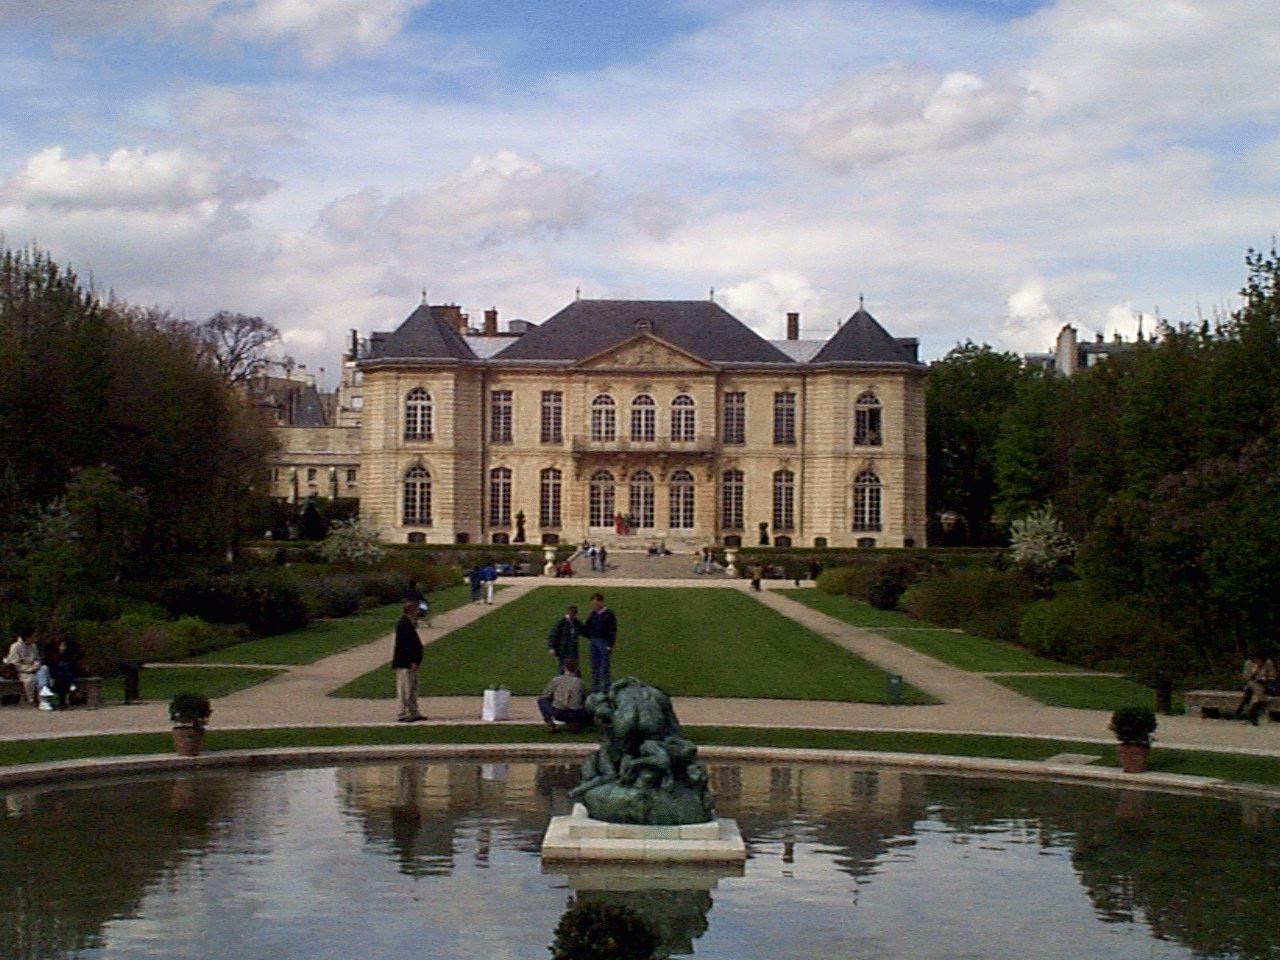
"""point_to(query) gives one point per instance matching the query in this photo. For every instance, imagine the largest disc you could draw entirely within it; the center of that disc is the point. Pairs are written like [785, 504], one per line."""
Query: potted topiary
[1133, 727]
[189, 712]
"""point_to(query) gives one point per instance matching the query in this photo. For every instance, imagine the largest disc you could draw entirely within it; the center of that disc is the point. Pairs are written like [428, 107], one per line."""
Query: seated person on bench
[1261, 682]
[563, 699]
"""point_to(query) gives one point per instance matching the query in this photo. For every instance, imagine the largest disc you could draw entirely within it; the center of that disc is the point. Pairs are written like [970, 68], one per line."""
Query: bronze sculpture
[645, 772]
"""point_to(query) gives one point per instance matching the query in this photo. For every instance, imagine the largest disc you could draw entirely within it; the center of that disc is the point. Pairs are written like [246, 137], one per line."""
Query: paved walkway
[972, 702]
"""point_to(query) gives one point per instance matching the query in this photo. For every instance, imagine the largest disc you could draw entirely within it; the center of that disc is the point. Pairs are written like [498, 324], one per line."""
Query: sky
[977, 169]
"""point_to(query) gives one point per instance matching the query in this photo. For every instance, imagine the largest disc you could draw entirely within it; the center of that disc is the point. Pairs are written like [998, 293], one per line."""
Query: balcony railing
[583, 443]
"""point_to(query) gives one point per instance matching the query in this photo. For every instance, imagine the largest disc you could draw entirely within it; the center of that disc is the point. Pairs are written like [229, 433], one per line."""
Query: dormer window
[644, 325]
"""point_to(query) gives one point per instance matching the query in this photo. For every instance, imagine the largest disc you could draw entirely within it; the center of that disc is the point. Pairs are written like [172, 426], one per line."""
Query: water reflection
[444, 857]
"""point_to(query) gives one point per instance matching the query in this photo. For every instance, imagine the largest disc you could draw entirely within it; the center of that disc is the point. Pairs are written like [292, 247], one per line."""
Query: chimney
[355, 346]
[491, 322]
[793, 326]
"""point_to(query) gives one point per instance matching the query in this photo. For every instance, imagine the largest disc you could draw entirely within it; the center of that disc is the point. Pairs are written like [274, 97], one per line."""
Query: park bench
[1216, 704]
[91, 687]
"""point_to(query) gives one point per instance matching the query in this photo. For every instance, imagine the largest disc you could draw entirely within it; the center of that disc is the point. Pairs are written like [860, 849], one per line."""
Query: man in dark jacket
[601, 629]
[405, 660]
[563, 638]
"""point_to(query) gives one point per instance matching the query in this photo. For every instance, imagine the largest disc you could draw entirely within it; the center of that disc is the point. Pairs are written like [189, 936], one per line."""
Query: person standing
[601, 630]
[24, 657]
[563, 638]
[563, 699]
[476, 581]
[603, 557]
[489, 576]
[594, 557]
[406, 658]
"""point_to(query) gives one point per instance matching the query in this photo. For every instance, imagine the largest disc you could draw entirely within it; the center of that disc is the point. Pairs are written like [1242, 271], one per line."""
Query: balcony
[705, 447]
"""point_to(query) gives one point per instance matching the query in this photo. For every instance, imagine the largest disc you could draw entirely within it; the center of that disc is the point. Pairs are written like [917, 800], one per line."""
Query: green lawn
[1085, 693]
[957, 649]
[1239, 767]
[327, 637]
[692, 642]
[161, 683]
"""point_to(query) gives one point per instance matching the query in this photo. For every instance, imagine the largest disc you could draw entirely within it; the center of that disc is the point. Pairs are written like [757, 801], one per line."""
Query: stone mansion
[633, 421]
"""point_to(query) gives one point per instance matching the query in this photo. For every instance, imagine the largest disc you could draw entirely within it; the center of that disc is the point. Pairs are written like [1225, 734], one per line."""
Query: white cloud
[224, 118]
[496, 199]
[130, 179]
[764, 302]
[323, 30]
[894, 112]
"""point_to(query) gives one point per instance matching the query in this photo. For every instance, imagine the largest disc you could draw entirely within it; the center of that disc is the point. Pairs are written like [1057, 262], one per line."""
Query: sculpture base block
[578, 837]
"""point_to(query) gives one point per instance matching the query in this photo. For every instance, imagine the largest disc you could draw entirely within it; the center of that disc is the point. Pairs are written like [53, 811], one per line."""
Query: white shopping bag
[497, 705]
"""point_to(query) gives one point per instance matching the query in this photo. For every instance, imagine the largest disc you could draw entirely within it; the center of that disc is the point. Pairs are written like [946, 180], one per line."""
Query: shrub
[1079, 629]
[889, 581]
[985, 602]
[334, 596]
[1041, 548]
[602, 931]
[190, 710]
[1133, 726]
[384, 586]
[352, 543]
[266, 606]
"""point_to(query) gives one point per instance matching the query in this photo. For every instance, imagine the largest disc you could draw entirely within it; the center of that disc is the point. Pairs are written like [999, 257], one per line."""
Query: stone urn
[730, 561]
[549, 560]
[187, 741]
[189, 712]
[1134, 757]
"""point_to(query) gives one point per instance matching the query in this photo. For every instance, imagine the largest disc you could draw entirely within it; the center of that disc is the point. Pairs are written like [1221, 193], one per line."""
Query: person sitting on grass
[563, 700]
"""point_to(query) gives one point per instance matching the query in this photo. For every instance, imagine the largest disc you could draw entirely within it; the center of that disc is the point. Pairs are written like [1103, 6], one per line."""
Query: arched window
[684, 423]
[641, 500]
[866, 420]
[604, 419]
[417, 415]
[417, 497]
[549, 498]
[731, 500]
[500, 497]
[644, 419]
[682, 500]
[784, 500]
[601, 509]
[867, 497]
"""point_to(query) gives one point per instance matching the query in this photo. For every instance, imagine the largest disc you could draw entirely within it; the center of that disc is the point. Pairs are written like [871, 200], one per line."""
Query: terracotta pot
[1133, 757]
[187, 741]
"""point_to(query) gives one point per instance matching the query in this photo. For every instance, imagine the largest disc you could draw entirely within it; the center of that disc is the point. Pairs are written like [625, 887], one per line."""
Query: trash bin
[131, 669]
[895, 688]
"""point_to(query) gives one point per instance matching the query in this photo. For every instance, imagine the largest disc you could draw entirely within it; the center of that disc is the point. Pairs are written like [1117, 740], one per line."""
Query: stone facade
[466, 454]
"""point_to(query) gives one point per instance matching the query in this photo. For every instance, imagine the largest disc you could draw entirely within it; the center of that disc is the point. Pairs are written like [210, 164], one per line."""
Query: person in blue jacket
[476, 580]
[488, 575]
[601, 631]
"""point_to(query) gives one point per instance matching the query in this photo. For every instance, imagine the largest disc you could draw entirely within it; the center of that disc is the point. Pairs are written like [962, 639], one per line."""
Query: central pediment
[644, 351]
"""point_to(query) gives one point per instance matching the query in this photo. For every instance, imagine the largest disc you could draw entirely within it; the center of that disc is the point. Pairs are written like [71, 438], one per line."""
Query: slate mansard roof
[700, 327]
[585, 328]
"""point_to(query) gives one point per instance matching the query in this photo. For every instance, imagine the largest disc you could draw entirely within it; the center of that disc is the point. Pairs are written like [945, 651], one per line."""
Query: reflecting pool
[440, 860]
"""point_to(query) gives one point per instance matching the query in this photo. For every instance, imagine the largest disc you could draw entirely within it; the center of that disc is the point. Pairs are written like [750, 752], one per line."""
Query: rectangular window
[351, 475]
[784, 500]
[552, 417]
[500, 497]
[731, 500]
[500, 416]
[735, 417]
[311, 474]
[784, 418]
[549, 512]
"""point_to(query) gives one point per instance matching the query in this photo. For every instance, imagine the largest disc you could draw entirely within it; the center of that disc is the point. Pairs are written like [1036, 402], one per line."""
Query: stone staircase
[637, 564]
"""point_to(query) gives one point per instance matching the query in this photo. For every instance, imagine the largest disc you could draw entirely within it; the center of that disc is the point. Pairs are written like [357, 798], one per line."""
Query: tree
[351, 543]
[968, 392]
[1041, 547]
[239, 344]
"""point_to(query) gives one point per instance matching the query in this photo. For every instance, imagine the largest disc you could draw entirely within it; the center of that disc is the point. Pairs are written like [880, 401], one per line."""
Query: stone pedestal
[731, 561]
[577, 837]
[549, 560]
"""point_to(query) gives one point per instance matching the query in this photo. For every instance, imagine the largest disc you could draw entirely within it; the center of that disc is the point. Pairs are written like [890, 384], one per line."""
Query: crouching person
[563, 700]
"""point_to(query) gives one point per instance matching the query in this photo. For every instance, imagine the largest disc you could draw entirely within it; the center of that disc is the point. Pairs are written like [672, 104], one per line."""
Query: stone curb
[106, 767]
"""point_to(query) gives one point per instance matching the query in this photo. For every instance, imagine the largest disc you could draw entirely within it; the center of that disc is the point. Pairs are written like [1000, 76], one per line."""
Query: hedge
[987, 603]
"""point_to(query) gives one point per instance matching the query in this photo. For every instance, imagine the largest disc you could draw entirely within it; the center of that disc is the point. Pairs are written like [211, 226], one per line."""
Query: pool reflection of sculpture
[644, 794]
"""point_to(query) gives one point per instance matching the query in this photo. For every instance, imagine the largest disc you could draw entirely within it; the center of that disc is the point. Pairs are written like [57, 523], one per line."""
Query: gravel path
[972, 703]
